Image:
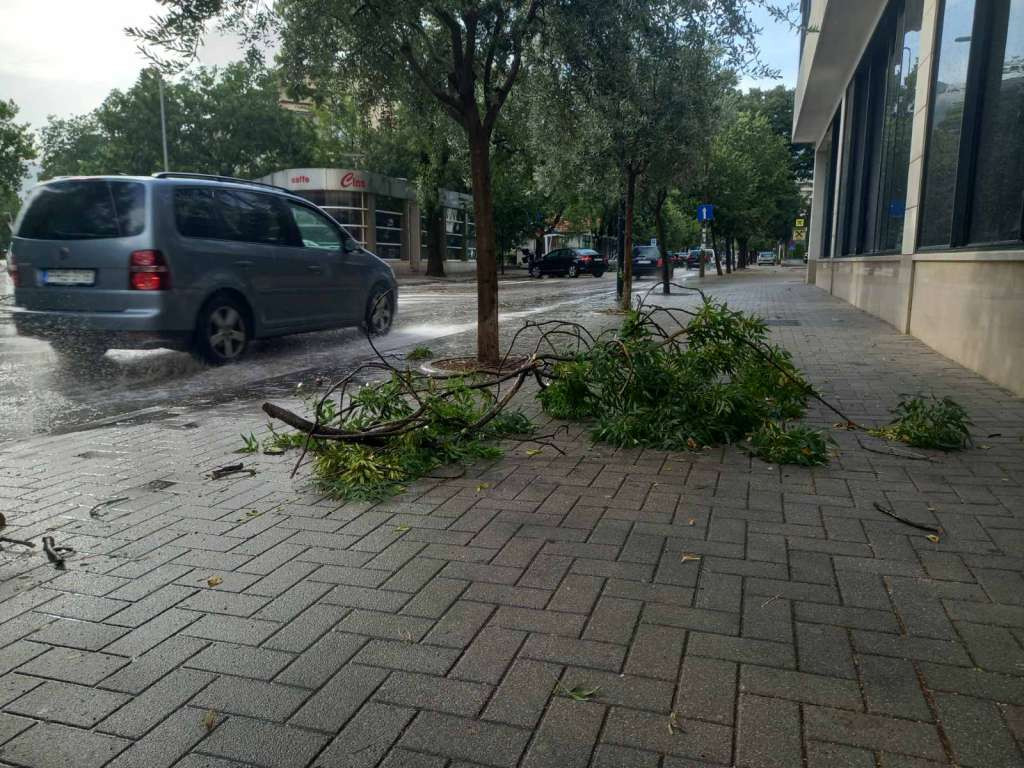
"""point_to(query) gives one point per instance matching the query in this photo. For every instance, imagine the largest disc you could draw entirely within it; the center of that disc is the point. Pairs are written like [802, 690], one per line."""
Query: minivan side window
[195, 214]
[253, 218]
[315, 230]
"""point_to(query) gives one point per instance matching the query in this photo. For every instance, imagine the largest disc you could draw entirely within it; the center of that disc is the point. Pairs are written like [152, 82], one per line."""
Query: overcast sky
[62, 57]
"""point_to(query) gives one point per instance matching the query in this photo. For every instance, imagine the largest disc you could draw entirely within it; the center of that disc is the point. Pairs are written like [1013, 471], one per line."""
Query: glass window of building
[997, 205]
[389, 227]
[949, 91]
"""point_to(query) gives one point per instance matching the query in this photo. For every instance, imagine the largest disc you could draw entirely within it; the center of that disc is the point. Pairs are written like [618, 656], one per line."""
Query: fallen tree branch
[911, 523]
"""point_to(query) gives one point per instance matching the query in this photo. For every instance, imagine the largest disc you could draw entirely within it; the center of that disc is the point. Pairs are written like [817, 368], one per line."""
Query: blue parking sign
[705, 212]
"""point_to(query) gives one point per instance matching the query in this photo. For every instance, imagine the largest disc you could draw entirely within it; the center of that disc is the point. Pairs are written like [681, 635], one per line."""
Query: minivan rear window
[84, 210]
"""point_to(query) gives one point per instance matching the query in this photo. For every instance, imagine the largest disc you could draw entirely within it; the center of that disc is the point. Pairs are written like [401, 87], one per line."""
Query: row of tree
[548, 112]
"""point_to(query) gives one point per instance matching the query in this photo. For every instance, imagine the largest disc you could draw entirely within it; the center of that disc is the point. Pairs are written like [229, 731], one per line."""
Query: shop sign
[350, 181]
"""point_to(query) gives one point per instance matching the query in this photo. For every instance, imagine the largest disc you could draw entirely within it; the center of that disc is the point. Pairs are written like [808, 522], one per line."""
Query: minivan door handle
[243, 263]
[315, 268]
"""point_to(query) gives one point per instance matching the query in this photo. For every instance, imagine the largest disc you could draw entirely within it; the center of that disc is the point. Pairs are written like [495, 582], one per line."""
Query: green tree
[466, 54]
[16, 150]
[776, 104]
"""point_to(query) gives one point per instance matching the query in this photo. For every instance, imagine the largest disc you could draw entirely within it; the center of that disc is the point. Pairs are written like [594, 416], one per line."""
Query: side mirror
[349, 246]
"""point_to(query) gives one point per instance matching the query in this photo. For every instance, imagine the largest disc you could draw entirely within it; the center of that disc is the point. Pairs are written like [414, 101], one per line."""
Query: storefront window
[949, 93]
[998, 202]
[389, 227]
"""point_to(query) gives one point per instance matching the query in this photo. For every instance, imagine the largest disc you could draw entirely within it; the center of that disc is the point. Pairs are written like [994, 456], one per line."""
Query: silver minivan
[186, 261]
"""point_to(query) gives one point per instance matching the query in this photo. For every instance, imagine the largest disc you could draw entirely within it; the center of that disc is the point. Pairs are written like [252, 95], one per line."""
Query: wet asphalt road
[40, 396]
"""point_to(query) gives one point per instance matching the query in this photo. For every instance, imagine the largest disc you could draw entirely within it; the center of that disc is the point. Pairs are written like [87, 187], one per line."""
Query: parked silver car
[186, 261]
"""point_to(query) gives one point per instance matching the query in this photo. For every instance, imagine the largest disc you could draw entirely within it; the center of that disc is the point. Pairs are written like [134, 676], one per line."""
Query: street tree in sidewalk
[630, 58]
[467, 54]
[16, 150]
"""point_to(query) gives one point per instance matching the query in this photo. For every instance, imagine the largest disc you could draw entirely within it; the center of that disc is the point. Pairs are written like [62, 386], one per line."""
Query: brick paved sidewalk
[248, 621]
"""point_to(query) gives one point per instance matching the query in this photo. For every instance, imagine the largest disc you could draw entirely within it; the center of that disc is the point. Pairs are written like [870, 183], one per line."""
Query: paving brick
[649, 593]
[838, 756]
[339, 699]
[403, 758]
[163, 745]
[85, 635]
[67, 703]
[487, 657]
[611, 756]
[718, 622]
[873, 732]
[12, 725]
[977, 732]
[228, 603]
[320, 661]
[232, 629]
[84, 607]
[566, 736]
[923, 649]
[767, 619]
[741, 649]
[66, 664]
[152, 633]
[413, 575]
[974, 682]
[141, 672]
[655, 652]
[252, 698]
[143, 712]
[14, 685]
[544, 622]
[576, 594]
[367, 737]
[523, 693]
[435, 598]
[263, 743]
[460, 624]
[583, 653]
[384, 625]
[151, 606]
[306, 628]
[992, 648]
[824, 650]
[490, 743]
[891, 688]
[707, 690]
[440, 694]
[230, 659]
[49, 745]
[847, 616]
[649, 731]
[800, 686]
[768, 733]
[407, 656]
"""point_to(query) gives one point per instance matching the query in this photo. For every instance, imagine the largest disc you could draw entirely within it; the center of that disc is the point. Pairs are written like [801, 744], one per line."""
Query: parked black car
[571, 262]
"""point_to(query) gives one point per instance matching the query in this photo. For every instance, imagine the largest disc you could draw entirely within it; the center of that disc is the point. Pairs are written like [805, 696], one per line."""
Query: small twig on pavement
[230, 469]
[911, 523]
[95, 511]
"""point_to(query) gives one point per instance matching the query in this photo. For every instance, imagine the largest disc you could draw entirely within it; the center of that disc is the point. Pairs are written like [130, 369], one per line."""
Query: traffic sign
[800, 234]
[800, 224]
[705, 212]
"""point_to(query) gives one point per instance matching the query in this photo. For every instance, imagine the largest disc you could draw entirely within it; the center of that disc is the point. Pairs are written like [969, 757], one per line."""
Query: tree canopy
[17, 148]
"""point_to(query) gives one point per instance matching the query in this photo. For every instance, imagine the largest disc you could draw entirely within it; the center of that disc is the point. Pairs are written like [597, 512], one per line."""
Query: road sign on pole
[705, 212]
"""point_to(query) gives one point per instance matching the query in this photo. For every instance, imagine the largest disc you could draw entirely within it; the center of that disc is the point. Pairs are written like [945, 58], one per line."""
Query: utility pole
[621, 234]
[163, 120]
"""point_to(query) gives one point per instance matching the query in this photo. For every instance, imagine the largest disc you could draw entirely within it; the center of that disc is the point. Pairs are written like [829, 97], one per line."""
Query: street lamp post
[163, 120]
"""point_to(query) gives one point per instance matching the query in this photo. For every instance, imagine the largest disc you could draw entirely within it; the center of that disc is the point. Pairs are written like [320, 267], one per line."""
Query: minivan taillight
[12, 269]
[149, 271]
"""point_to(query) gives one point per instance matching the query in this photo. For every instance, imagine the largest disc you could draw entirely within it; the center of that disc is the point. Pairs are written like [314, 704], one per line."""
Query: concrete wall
[973, 312]
[871, 284]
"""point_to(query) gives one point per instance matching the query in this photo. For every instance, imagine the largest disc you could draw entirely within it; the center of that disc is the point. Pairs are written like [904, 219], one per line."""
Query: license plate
[69, 277]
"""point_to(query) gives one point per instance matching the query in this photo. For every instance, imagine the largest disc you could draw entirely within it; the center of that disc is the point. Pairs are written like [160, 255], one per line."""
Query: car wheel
[380, 311]
[574, 271]
[535, 272]
[222, 333]
[598, 273]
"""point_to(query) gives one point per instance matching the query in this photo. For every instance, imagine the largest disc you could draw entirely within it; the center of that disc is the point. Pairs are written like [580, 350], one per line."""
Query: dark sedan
[647, 260]
[571, 262]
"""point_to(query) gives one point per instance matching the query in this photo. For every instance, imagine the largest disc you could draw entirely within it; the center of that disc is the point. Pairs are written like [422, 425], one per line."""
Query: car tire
[223, 330]
[535, 272]
[380, 311]
[574, 271]
[598, 273]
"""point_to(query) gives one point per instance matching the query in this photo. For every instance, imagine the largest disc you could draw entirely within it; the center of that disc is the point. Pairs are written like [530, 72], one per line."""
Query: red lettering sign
[300, 179]
[351, 180]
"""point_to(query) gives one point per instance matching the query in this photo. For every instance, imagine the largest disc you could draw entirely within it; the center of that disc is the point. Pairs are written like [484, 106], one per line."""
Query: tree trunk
[435, 242]
[627, 255]
[728, 254]
[486, 247]
[659, 226]
[718, 254]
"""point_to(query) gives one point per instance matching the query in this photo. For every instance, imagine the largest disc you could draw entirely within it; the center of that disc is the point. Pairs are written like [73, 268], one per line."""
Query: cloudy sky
[62, 57]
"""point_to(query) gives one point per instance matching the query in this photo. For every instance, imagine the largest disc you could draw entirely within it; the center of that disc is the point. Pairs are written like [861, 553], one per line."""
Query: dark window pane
[898, 120]
[314, 230]
[998, 201]
[830, 145]
[948, 95]
[254, 218]
[195, 214]
[84, 210]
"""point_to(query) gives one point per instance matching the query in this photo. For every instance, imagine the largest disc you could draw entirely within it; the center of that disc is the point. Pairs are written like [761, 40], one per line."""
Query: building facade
[916, 110]
[383, 215]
